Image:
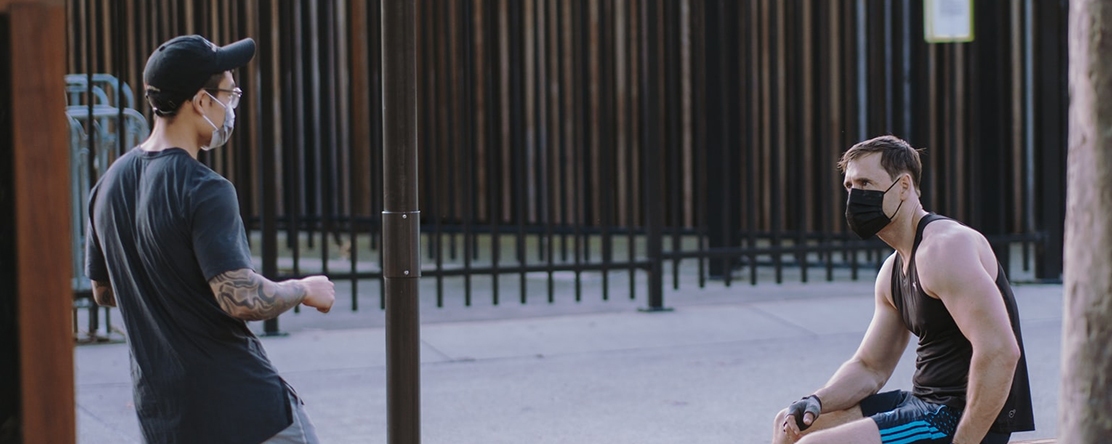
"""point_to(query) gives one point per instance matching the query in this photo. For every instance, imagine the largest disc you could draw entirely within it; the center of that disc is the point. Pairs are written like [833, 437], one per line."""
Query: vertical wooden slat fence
[557, 138]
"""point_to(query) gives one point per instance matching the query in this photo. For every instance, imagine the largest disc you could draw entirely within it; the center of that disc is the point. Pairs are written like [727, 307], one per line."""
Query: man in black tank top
[942, 284]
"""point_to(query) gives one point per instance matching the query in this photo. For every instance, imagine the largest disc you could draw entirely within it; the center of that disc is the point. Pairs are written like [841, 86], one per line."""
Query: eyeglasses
[235, 92]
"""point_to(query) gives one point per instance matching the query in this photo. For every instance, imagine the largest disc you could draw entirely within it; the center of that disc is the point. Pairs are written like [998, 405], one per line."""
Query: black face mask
[865, 211]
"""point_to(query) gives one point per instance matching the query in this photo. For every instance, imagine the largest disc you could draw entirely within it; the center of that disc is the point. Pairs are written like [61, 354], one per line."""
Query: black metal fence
[627, 138]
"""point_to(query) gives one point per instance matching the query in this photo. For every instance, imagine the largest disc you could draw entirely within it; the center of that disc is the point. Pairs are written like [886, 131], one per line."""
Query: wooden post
[1087, 327]
[40, 182]
[10, 403]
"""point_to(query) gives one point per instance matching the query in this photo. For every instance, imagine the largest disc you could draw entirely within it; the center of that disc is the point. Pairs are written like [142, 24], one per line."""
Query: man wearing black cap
[166, 244]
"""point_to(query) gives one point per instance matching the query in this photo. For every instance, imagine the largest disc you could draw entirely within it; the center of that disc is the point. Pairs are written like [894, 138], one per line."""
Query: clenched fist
[320, 293]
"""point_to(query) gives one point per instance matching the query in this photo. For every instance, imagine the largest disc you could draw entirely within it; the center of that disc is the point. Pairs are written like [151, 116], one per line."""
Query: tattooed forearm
[103, 295]
[246, 295]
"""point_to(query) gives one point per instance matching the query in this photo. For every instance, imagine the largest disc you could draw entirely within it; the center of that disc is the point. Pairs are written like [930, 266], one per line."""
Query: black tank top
[943, 355]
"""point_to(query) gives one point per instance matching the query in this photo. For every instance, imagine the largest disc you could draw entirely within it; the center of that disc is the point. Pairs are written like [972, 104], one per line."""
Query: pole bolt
[406, 272]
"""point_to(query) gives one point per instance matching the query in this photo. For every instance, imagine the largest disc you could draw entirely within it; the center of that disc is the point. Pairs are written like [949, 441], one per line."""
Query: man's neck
[900, 234]
[165, 136]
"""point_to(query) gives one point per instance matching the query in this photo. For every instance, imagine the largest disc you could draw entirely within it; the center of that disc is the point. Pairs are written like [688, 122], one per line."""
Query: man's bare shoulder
[946, 236]
[883, 287]
[951, 251]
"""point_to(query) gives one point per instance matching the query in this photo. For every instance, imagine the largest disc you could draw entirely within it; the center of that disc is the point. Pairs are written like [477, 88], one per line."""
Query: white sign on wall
[948, 20]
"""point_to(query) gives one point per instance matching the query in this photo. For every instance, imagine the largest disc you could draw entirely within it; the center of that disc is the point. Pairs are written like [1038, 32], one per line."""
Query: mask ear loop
[200, 109]
[893, 184]
[901, 201]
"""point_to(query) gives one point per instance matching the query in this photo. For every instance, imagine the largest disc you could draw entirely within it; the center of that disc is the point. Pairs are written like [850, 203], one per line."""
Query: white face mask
[220, 135]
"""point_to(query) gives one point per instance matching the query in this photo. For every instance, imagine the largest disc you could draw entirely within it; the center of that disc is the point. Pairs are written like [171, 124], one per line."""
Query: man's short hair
[896, 157]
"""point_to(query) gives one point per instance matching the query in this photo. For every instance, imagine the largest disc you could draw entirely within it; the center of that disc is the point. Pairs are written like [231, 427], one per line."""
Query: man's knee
[779, 434]
[780, 421]
[783, 414]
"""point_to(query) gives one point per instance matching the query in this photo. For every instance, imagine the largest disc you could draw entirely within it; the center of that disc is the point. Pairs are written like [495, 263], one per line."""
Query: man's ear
[196, 101]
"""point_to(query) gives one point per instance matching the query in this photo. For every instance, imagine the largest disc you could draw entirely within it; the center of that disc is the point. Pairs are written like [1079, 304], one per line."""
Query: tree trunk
[1086, 389]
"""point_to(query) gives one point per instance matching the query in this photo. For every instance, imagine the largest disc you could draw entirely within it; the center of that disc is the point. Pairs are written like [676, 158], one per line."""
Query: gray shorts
[301, 431]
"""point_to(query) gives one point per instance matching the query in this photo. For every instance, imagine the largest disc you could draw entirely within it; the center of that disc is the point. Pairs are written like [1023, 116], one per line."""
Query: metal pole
[400, 222]
[651, 161]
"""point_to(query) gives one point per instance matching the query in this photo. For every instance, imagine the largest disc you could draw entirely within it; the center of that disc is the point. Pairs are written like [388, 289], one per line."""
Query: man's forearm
[990, 379]
[850, 384]
[247, 295]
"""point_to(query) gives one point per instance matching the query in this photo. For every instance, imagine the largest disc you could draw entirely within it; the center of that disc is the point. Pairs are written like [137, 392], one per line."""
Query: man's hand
[103, 295]
[320, 293]
[803, 413]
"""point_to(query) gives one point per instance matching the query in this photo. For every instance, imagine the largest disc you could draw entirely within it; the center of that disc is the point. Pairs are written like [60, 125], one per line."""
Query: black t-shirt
[944, 354]
[161, 225]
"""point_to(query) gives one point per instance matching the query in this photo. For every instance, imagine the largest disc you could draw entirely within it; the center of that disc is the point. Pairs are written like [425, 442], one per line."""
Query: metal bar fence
[608, 136]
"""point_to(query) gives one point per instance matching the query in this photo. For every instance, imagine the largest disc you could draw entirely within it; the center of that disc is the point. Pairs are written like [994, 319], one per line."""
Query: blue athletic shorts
[904, 419]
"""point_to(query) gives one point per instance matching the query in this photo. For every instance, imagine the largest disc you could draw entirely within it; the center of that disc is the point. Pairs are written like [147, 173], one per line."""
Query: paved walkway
[714, 370]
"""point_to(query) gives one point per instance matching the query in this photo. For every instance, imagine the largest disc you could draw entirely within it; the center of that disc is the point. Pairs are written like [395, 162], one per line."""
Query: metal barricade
[97, 135]
[104, 88]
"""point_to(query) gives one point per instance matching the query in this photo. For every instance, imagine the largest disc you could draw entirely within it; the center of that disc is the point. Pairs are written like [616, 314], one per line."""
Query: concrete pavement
[714, 370]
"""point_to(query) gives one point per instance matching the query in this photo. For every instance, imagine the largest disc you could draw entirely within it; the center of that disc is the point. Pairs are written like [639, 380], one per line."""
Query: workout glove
[799, 408]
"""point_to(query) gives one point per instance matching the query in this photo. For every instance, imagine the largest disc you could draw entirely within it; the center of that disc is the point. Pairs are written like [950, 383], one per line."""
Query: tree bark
[1086, 388]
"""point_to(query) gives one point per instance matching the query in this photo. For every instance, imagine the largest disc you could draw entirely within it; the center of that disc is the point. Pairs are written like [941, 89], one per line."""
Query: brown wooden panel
[796, 99]
[248, 77]
[764, 98]
[481, 107]
[544, 115]
[808, 140]
[836, 123]
[592, 81]
[360, 103]
[41, 182]
[687, 174]
[570, 142]
[636, 48]
[438, 136]
[556, 132]
[621, 85]
[504, 147]
[5, 5]
[529, 93]
[456, 142]
[1017, 124]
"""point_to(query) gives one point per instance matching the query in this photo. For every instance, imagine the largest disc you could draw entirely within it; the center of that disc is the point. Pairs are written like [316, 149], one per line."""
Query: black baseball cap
[182, 65]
